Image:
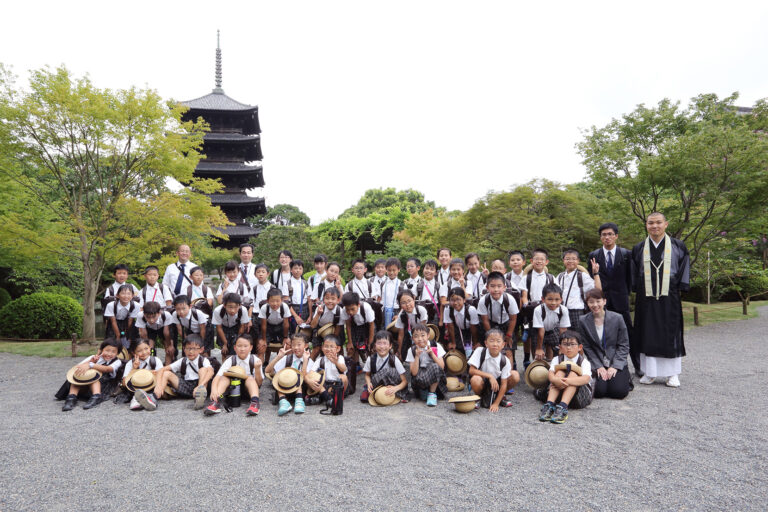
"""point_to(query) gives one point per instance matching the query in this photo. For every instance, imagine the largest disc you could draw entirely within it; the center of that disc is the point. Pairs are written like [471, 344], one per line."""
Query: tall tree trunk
[90, 287]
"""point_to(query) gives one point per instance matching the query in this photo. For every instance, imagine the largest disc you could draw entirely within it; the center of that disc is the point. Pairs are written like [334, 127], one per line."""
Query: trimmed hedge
[42, 315]
[62, 290]
[5, 297]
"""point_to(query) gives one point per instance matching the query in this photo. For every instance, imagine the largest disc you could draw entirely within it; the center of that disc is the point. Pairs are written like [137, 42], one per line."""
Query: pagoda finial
[218, 88]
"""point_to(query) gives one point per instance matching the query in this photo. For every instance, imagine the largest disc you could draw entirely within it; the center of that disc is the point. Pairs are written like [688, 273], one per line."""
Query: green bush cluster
[63, 290]
[5, 297]
[41, 315]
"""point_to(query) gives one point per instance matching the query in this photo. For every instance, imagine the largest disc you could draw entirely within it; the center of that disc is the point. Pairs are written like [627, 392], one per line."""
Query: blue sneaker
[285, 407]
[431, 399]
[298, 406]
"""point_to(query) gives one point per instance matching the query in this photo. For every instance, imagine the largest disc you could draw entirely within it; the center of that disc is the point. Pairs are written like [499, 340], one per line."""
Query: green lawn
[720, 312]
[46, 348]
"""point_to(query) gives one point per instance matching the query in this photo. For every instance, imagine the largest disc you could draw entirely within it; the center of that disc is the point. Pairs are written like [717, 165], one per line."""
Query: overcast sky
[450, 98]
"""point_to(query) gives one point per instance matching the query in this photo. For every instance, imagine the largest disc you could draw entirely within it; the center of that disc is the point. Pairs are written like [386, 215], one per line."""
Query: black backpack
[183, 368]
[502, 364]
[251, 362]
[504, 304]
[452, 314]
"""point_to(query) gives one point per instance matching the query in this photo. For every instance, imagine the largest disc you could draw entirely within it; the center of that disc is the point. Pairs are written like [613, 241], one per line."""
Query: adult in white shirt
[177, 274]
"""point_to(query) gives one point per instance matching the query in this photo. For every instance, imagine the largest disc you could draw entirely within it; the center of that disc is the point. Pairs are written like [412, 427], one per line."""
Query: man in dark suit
[616, 274]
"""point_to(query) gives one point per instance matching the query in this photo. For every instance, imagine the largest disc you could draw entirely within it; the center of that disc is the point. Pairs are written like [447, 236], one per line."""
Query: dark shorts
[551, 339]
[573, 316]
[186, 387]
[580, 400]
[274, 333]
[360, 336]
[427, 376]
[487, 397]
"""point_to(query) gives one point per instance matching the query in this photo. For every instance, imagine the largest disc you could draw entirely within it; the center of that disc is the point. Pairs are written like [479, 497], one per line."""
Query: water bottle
[233, 393]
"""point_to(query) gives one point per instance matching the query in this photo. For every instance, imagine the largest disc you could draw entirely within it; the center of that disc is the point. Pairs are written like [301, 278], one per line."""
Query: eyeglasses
[606, 235]
[569, 344]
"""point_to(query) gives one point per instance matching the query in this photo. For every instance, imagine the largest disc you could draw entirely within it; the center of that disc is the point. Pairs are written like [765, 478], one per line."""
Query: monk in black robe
[662, 266]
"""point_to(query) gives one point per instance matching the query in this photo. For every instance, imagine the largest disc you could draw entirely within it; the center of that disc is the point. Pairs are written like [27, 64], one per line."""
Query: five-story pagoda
[233, 154]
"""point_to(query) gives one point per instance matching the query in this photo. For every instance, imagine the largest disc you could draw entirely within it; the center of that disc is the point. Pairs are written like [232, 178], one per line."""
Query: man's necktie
[609, 264]
[177, 290]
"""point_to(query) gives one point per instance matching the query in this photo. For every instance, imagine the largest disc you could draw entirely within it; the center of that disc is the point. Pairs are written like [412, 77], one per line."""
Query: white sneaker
[135, 405]
[673, 382]
[646, 380]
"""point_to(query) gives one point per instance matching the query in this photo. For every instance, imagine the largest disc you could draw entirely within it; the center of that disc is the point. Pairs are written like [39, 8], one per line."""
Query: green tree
[377, 200]
[94, 166]
[704, 166]
[281, 215]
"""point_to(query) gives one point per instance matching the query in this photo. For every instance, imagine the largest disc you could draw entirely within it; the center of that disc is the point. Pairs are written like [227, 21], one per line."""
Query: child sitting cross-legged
[383, 368]
[570, 377]
[426, 365]
[250, 364]
[295, 356]
[491, 373]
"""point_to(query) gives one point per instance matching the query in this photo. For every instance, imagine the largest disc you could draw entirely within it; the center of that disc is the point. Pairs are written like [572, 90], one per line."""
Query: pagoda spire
[218, 88]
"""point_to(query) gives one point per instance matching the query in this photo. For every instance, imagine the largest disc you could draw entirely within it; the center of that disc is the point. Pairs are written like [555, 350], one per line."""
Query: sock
[255, 400]
[300, 395]
[563, 405]
[96, 395]
[550, 403]
[71, 396]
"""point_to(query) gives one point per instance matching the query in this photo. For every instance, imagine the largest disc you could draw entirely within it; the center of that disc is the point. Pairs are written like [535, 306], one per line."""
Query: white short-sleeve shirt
[551, 320]
[491, 365]
[226, 287]
[163, 319]
[296, 362]
[538, 282]
[364, 315]
[430, 291]
[586, 368]
[192, 367]
[413, 319]
[474, 319]
[381, 362]
[327, 285]
[245, 364]
[497, 313]
[275, 316]
[123, 312]
[221, 317]
[569, 282]
[158, 293]
[173, 274]
[116, 364]
[361, 288]
[451, 283]
[190, 321]
[328, 315]
[331, 371]
[516, 279]
[111, 290]
[297, 290]
[143, 365]
[425, 358]
[259, 291]
[389, 290]
[475, 283]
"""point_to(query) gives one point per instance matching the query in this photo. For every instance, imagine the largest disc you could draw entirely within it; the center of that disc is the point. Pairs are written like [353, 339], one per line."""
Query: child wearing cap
[80, 384]
[491, 372]
[383, 368]
[332, 363]
[426, 365]
[187, 376]
[252, 367]
[296, 356]
[570, 378]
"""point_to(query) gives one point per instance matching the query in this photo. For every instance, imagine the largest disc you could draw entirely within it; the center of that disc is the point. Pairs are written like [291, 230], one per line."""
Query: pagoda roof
[235, 200]
[230, 137]
[239, 231]
[218, 101]
[227, 167]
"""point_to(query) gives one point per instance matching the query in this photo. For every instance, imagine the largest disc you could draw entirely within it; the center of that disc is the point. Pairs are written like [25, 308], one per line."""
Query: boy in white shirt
[251, 364]
[233, 284]
[498, 310]
[461, 323]
[154, 325]
[297, 357]
[575, 284]
[379, 272]
[106, 362]
[412, 267]
[187, 376]
[121, 276]
[427, 367]
[428, 290]
[190, 321]
[366, 289]
[154, 291]
[230, 320]
[550, 319]
[475, 278]
[332, 280]
[332, 363]
[320, 262]
[275, 318]
[329, 312]
[570, 377]
[299, 295]
[491, 372]
[444, 258]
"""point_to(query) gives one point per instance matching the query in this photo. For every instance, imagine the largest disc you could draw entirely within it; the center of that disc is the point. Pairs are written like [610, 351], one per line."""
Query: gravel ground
[699, 447]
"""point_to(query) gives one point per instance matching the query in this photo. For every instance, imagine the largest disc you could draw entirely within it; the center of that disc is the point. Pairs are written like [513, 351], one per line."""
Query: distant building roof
[218, 101]
[235, 199]
[226, 167]
[229, 137]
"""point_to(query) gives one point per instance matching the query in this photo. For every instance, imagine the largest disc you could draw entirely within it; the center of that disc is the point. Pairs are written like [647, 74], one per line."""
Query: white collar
[540, 274]
[656, 244]
[612, 251]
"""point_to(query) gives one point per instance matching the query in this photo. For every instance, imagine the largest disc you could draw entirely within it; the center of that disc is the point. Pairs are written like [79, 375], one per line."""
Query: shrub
[42, 315]
[63, 290]
[5, 297]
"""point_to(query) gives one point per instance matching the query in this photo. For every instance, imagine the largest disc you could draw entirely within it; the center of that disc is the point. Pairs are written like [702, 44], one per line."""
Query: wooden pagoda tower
[233, 154]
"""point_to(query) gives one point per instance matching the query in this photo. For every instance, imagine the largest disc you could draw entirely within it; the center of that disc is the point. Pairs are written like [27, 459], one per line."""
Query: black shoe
[312, 400]
[631, 384]
[70, 403]
[92, 402]
[122, 398]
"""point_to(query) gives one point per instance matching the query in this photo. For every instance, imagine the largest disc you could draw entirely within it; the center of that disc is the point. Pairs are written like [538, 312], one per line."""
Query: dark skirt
[387, 376]
[427, 376]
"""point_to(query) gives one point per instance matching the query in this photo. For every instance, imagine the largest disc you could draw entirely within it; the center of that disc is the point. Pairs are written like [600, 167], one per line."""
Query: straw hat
[529, 267]
[142, 379]
[236, 372]
[434, 332]
[391, 327]
[124, 354]
[454, 384]
[288, 380]
[379, 397]
[567, 366]
[306, 329]
[537, 374]
[464, 403]
[169, 391]
[87, 377]
[325, 330]
[320, 376]
[455, 362]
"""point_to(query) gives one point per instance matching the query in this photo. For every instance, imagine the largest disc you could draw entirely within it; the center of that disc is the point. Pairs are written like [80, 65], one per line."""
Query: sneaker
[298, 406]
[200, 394]
[123, 398]
[212, 409]
[135, 405]
[253, 409]
[673, 382]
[404, 400]
[560, 415]
[547, 410]
[364, 394]
[147, 400]
[510, 391]
[431, 399]
[93, 402]
[285, 407]
[313, 400]
[646, 380]
[70, 403]
[505, 403]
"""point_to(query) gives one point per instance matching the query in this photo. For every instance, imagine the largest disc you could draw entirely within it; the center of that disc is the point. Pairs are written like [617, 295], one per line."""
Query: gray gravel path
[699, 447]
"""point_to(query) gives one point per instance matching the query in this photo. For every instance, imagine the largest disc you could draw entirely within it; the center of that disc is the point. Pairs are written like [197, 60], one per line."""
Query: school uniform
[291, 361]
[385, 371]
[574, 285]
[499, 367]
[320, 288]
[155, 330]
[331, 371]
[429, 372]
[405, 322]
[298, 293]
[259, 294]
[111, 290]
[461, 321]
[122, 314]
[150, 363]
[517, 280]
[411, 283]
[583, 396]
[552, 321]
[475, 283]
[189, 374]
[280, 280]
[450, 284]
[499, 312]
[443, 275]
[314, 279]
[176, 275]
[237, 286]
[360, 321]
[535, 283]
[248, 274]
[429, 291]
[248, 364]
[275, 319]
[158, 293]
[328, 316]
[109, 381]
[191, 323]
[378, 280]
[229, 324]
[364, 288]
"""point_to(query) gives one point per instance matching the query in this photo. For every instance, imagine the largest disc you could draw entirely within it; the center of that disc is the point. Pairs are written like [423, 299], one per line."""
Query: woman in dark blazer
[606, 345]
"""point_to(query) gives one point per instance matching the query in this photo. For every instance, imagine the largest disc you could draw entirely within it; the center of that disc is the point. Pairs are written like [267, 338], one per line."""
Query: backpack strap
[322, 363]
[183, 368]
[482, 359]
[320, 290]
[543, 312]
[373, 360]
[233, 360]
[336, 315]
[419, 289]
[528, 279]
[580, 282]
[252, 364]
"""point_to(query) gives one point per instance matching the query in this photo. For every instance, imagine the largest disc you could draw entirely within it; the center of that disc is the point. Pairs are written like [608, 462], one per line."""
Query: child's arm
[451, 335]
[576, 380]
[339, 364]
[540, 343]
[486, 323]
[143, 332]
[371, 334]
[511, 327]
[414, 367]
[438, 360]
[280, 354]
[286, 331]
[296, 317]
[474, 371]
[318, 313]
[368, 381]
[202, 330]
[264, 329]
[499, 395]
[474, 334]
[350, 345]
[400, 335]
[524, 297]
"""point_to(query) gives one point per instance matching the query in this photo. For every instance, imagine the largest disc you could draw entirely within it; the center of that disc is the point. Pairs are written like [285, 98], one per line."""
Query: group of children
[397, 333]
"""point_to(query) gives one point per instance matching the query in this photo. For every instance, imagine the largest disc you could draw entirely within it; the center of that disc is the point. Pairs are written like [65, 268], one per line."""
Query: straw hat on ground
[454, 384]
[537, 374]
[319, 377]
[455, 362]
[464, 403]
[325, 330]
